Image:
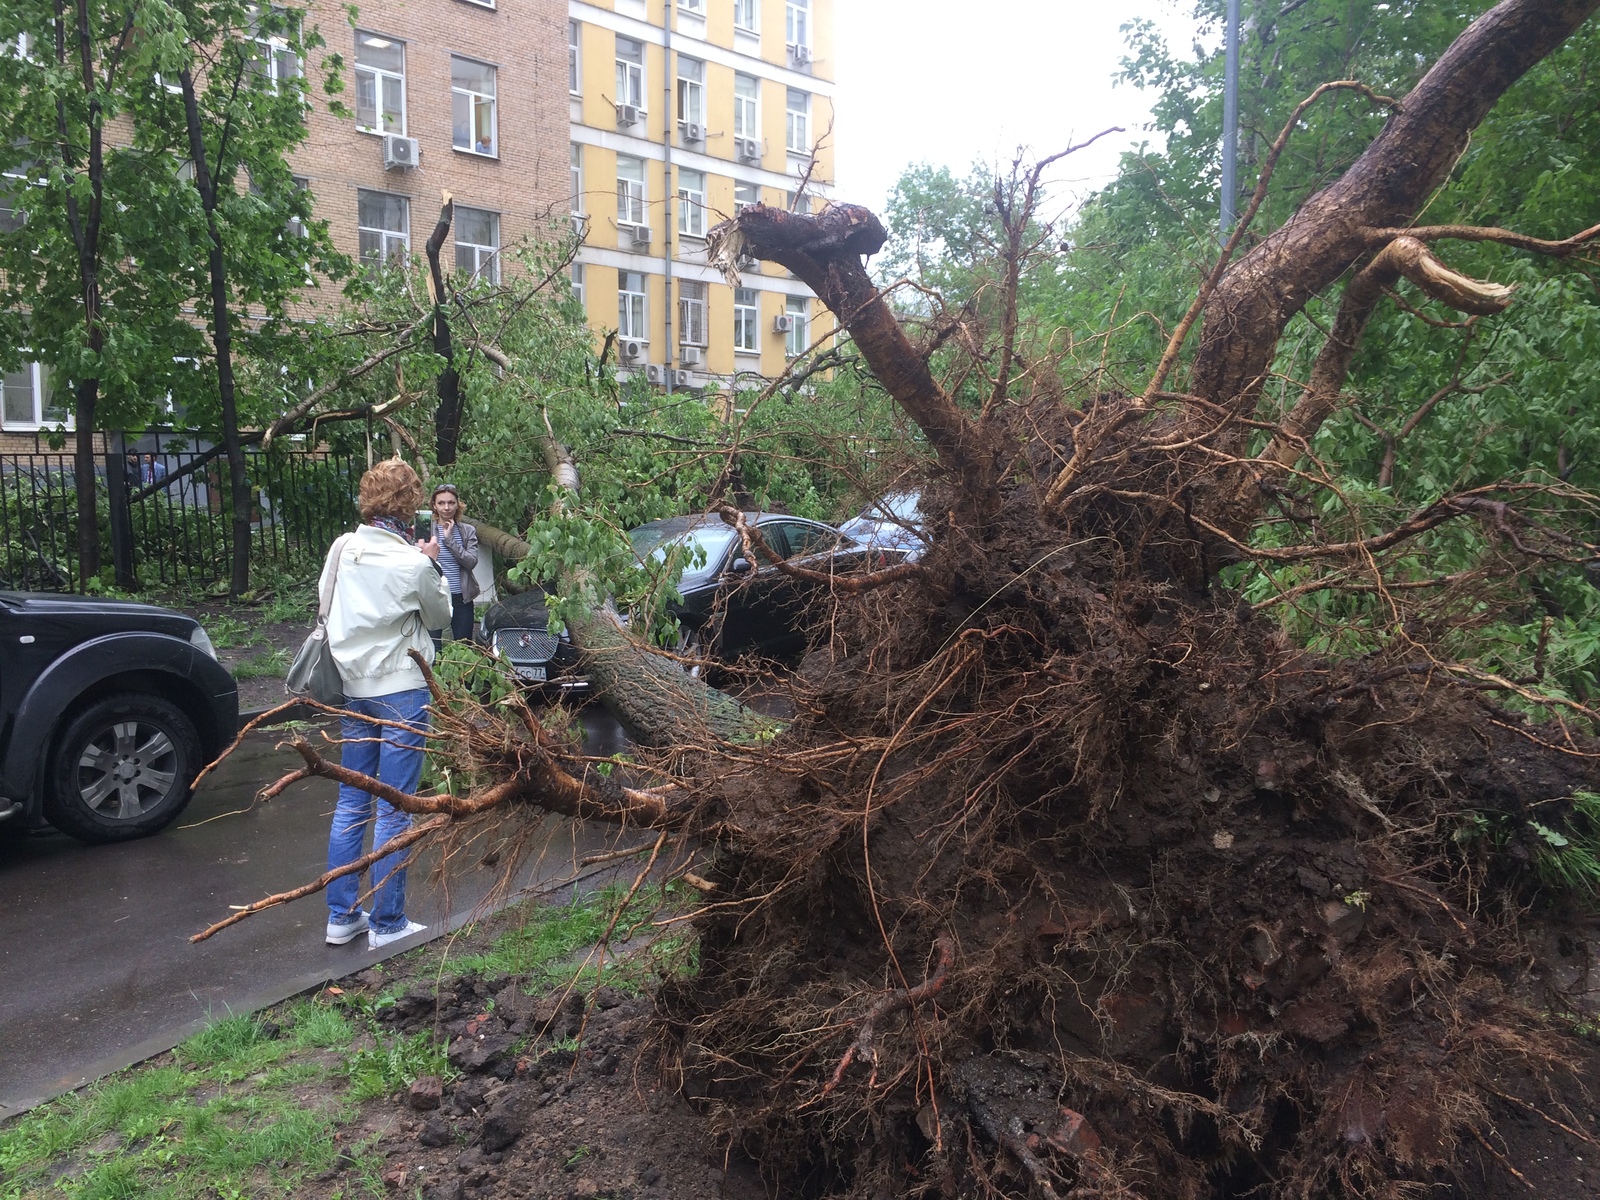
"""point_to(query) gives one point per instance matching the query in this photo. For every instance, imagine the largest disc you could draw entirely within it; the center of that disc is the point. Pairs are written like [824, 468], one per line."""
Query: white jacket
[388, 595]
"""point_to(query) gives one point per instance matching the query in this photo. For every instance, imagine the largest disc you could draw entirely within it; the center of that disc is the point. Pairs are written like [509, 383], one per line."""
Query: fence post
[121, 511]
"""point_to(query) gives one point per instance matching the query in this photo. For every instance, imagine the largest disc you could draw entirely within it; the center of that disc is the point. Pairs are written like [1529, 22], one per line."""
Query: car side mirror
[739, 566]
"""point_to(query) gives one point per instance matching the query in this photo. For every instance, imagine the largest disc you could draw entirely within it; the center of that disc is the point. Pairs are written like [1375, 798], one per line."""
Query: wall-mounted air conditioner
[691, 131]
[655, 373]
[800, 56]
[683, 379]
[639, 235]
[691, 356]
[783, 324]
[631, 349]
[400, 153]
[747, 150]
[628, 114]
[747, 264]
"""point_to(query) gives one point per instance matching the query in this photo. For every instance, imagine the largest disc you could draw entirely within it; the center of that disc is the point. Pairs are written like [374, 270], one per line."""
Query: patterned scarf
[393, 526]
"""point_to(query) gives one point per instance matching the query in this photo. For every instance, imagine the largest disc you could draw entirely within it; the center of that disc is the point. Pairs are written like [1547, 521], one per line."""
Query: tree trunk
[84, 475]
[447, 417]
[1387, 187]
[222, 340]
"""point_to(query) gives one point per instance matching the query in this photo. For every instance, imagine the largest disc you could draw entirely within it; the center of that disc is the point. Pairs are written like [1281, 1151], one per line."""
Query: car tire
[121, 769]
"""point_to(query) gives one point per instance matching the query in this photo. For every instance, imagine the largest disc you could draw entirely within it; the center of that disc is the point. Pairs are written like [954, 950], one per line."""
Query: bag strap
[325, 601]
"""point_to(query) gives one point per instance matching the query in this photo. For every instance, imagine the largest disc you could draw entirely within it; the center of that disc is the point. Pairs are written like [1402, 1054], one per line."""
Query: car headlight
[199, 639]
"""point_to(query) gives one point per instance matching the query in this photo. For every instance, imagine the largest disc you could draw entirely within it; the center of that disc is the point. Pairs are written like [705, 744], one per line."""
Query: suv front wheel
[122, 769]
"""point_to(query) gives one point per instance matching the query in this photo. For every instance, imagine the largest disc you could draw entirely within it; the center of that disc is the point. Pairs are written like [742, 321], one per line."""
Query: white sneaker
[376, 940]
[339, 935]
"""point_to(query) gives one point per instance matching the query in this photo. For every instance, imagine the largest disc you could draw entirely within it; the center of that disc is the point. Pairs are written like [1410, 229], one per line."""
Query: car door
[754, 600]
[793, 603]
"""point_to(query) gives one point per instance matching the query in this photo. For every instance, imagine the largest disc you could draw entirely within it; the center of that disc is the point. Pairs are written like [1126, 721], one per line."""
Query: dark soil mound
[1075, 877]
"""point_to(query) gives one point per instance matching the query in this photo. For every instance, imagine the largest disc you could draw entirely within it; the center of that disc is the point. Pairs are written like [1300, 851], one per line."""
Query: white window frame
[481, 3]
[798, 340]
[13, 192]
[387, 237]
[379, 75]
[797, 122]
[273, 49]
[574, 58]
[746, 321]
[295, 226]
[747, 15]
[697, 7]
[691, 203]
[577, 179]
[691, 92]
[473, 99]
[578, 283]
[740, 204]
[797, 23]
[631, 76]
[631, 193]
[746, 109]
[39, 375]
[633, 307]
[694, 302]
[486, 257]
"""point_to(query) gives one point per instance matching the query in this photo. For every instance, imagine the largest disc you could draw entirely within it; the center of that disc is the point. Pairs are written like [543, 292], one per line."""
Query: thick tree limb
[825, 252]
[1490, 233]
[852, 585]
[1385, 188]
[447, 418]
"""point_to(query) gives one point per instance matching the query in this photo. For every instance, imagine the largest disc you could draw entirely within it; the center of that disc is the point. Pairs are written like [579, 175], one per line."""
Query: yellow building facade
[683, 112]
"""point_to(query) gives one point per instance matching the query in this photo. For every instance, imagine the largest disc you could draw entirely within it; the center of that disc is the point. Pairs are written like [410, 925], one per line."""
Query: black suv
[108, 710]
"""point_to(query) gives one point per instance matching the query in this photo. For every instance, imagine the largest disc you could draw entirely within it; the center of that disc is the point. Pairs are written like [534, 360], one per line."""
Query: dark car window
[804, 538]
[772, 534]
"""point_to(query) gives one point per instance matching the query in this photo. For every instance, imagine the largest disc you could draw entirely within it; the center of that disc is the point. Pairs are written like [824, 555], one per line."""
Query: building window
[630, 305]
[577, 180]
[797, 125]
[472, 106]
[746, 106]
[13, 192]
[30, 400]
[691, 202]
[380, 84]
[746, 320]
[630, 73]
[798, 339]
[797, 202]
[272, 61]
[745, 15]
[383, 226]
[296, 226]
[691, 90]
[744, 195]
[630, 190]
[574, 58]
[691, 313]
[698, 7]
[478, 243]
[797, 23]
[577, 282]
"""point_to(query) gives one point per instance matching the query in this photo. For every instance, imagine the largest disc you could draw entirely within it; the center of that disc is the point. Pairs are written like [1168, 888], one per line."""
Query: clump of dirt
[1074, 877]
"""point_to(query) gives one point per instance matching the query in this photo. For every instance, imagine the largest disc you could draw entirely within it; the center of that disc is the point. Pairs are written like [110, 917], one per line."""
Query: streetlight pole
[1230, 122]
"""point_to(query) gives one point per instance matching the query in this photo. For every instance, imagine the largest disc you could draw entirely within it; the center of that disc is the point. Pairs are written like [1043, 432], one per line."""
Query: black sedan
[108, 710]
[731, 607]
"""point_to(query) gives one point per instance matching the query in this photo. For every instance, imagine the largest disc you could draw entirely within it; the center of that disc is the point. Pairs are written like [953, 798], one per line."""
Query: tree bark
[825, 252]
[221, 337]
[1383, 191]
[447, 417]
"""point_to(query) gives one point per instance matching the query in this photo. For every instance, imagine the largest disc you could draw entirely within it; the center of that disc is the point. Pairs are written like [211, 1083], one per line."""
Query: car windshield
[654, 540]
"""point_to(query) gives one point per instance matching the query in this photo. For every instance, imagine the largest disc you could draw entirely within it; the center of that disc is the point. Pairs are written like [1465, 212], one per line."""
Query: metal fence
[176, 527]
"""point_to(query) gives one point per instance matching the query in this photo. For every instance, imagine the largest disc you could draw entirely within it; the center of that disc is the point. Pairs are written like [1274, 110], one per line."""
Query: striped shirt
[450, 567]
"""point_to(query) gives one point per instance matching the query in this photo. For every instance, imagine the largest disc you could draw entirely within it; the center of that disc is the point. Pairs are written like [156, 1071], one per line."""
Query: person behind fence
[458, 558]
[388, 592]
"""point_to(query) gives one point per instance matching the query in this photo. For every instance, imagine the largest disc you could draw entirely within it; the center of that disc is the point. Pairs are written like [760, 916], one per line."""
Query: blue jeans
[397, 761]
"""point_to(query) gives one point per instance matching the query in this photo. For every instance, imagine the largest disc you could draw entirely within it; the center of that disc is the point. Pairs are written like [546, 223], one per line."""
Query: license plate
[533, 674]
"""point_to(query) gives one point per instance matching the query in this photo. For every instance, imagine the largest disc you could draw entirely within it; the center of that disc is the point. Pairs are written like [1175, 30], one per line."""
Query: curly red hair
[391, 489]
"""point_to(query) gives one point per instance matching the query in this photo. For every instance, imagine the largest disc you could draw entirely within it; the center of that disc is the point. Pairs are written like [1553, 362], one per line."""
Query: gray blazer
[462, 545]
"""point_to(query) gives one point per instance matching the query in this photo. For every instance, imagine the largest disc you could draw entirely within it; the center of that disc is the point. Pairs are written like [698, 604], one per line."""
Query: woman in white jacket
[389, 592]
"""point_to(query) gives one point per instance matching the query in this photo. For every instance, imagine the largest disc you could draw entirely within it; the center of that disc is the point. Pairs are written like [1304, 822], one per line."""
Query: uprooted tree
[1072, 874]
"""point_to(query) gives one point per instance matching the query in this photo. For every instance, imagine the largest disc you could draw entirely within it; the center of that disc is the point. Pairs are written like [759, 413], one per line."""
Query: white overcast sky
[951, 82]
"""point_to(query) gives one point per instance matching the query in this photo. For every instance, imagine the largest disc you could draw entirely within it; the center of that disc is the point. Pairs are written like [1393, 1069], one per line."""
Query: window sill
[475, 153]
[379, 132]
[489, 4]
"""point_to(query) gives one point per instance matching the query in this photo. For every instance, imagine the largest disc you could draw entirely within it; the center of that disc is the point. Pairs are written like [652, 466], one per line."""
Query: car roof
[668, 526]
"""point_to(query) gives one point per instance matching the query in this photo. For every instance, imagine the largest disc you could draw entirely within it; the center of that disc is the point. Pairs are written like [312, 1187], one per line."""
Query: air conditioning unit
[655, 373]
[800, 55]
[628, 114]
[783, 324]
[400, 153]
[747, 150]
[640, 235]
[747, 264]
[631, 349]
[683, 379]
[691, 356]
[692, 131]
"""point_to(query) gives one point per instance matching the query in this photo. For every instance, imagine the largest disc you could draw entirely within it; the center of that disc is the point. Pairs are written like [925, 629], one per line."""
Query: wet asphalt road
[96, 970]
